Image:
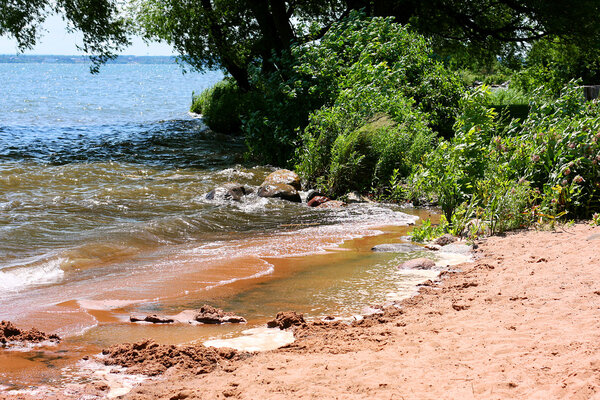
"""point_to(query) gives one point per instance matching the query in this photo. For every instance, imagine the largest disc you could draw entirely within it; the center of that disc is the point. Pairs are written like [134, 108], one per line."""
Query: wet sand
[326, 282]
[522, 321]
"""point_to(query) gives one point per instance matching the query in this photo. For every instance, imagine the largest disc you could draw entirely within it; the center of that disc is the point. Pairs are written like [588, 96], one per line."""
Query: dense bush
[510, 176]
[221, 106]
[552, 63]
[365, 69]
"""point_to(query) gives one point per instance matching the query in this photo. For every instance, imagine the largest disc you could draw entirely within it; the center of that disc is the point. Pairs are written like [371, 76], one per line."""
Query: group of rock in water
[281, 184]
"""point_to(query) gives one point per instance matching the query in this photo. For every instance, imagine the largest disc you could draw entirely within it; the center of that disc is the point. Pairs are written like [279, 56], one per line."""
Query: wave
[19, 278]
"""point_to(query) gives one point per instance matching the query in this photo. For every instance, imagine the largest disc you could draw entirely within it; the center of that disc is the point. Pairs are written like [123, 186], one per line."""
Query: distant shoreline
[80, 59]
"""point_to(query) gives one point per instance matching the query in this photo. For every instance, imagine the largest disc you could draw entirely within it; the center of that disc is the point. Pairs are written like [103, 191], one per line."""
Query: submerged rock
[228, 191]
[445, 239]
[418, 263]
[286, 319]
[332, 204]
[396, 248]
[317, 201]
[155, 319]
[279, 191]
[284, 176]
[213, 315]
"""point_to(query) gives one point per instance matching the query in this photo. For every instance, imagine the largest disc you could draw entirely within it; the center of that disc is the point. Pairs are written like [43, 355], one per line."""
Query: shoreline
[518, 322]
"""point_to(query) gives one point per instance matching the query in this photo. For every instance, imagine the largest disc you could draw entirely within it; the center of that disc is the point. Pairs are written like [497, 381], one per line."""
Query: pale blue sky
[58, 41]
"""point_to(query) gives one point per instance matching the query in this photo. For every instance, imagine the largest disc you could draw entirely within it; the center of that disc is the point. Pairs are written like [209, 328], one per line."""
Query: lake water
[103, 214]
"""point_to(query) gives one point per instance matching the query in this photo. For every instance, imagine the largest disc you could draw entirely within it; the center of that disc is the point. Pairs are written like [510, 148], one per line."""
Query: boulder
[313, 193]
[284, 320]
[228, 191]
[212, 315]
[317, 201]
[418, 263]
[279, 191]
[396, 248]
[332, 204]
[155, 319]
[284, 176]
[445, 239]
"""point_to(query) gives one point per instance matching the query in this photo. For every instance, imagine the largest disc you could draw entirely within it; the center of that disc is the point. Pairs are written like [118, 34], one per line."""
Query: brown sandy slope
[522, 322]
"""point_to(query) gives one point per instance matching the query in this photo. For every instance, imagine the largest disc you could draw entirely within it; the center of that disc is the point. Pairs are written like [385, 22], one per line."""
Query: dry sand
[522, 321]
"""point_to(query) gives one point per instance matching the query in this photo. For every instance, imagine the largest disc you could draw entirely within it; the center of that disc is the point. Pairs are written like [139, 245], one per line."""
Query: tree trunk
[239, 73]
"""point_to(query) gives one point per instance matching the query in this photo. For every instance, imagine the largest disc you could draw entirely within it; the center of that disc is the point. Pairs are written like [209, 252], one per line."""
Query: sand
[522, 322]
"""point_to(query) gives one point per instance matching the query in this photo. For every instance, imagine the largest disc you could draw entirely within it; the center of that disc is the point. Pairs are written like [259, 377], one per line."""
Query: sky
[58, 41]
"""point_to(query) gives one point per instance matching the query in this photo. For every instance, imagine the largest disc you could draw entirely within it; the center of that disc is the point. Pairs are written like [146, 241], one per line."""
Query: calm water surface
[103, 214]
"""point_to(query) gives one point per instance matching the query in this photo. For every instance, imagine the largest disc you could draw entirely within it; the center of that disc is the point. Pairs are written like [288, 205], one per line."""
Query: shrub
[552, 63]
[221, 106]
[371, 68]
[540, 169]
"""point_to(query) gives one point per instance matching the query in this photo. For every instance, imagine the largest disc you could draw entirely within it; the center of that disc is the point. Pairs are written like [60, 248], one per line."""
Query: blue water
[60, 113]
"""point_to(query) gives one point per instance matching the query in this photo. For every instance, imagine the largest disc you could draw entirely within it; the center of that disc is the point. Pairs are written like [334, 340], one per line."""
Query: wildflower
[564, 182]
[535, 158]
[567, 171]
[578, 179]
[572, 145]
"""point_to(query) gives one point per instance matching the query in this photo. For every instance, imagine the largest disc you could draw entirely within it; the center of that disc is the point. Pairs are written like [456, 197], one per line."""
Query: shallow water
[103, 215]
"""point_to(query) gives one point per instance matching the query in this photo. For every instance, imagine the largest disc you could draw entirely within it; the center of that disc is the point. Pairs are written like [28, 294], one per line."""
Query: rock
[155, 319]
[396, 248]
[332, 204]
[284, 176]
[312, 193]
[284, 320]
[355, 197]
[279, 191]
[228, 191]
[418, 263]
[212, 315]
[317, 201]
[458, 248]
[445, 239]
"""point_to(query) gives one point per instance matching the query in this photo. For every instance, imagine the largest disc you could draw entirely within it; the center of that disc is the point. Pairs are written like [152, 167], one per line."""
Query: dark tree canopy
[235, 34]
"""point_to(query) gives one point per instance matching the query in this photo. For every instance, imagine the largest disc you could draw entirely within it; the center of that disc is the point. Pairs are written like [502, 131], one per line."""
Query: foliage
[383, 95]
[553, 62]
[427, 231]
[537, 170]
[221, 106]
[104, 29]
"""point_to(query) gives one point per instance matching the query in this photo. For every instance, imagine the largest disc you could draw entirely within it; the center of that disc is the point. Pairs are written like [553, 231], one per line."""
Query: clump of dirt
[286, 319]
[10, 333]
[150, 358]
[211, 315]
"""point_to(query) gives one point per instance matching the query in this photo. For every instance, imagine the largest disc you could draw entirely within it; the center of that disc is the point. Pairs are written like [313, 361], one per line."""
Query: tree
[236, 34]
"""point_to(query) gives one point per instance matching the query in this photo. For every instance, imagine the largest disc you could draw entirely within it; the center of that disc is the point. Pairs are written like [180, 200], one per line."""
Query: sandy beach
[521, 321]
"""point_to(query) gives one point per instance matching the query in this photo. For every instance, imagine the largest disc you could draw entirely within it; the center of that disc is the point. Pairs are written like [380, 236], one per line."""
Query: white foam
[256, 339]
[18, 278]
